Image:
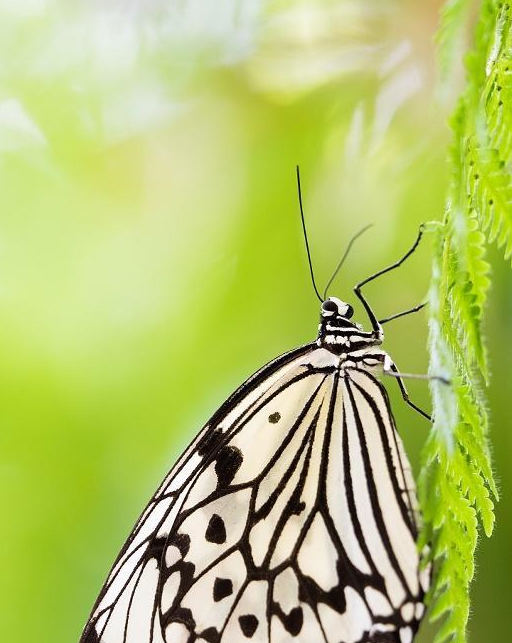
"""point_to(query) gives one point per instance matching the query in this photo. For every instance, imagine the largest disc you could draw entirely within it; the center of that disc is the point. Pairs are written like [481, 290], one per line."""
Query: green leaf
[450, 34]
[456, 485]
[498, 95]
[490, 190]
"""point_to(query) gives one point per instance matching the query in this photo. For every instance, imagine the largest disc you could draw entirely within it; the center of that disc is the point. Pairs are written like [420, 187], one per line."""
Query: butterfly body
[290, 518]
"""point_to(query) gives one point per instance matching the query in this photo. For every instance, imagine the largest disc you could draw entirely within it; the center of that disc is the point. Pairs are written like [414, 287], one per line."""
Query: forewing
[290, 517]
[209, 485]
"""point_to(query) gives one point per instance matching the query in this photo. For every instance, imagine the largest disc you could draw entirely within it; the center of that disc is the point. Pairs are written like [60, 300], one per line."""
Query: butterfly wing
[376, 515]
[148, 549]
[290, 516]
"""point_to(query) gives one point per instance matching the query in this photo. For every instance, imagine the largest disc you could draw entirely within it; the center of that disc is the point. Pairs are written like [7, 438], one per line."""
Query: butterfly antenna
[306, 237]
[345, 255]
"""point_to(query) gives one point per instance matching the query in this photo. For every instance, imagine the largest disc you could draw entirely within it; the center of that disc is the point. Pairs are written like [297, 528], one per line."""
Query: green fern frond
[487, 134]
[465, 324]
[487, 41]
[474, 263]
[472, 486]
[456, 485]
[469, 248]
[473, 441]
[465, 295]
[497, 96]
[450, 34]
[453, 538]
[464, 261]
[492, 32]
[490, 190]
[457, 479]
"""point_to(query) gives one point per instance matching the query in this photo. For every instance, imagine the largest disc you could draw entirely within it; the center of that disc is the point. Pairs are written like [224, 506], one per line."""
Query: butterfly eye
[349, 312]
[329, 307]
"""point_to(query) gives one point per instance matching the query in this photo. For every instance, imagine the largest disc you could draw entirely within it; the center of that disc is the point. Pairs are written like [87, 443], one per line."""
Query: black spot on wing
[274, 418]
[222, 587]
[228, 461]
[293, 621]
[298, 507]
[211, 634]
[310, 592]
[155, 549]
[209, 441]
[248, 624]
[216, 530]
[182, 542]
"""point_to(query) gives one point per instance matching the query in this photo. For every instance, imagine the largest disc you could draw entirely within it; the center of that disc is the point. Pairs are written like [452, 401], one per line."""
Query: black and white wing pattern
[290, 518]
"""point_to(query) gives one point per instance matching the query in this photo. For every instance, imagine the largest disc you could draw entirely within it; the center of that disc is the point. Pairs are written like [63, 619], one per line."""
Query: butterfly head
[333, 308]
[337, 333]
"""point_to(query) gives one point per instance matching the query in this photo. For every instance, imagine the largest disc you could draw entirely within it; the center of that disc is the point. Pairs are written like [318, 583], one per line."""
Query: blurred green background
[151, 255]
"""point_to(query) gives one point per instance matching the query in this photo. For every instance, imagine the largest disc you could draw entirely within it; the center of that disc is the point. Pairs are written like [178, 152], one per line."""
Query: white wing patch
[291, 517]
[318, 556]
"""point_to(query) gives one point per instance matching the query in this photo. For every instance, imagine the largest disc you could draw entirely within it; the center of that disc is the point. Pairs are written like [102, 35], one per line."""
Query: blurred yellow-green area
[151, 255]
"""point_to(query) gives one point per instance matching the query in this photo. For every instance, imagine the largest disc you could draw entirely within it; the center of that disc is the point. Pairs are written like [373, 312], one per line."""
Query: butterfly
[291, 517]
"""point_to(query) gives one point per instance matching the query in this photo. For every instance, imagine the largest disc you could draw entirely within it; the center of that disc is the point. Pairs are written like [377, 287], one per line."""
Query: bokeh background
[151, 255]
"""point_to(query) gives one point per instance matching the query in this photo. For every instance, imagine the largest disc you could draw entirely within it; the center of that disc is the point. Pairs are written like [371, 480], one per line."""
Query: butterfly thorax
[338, 334]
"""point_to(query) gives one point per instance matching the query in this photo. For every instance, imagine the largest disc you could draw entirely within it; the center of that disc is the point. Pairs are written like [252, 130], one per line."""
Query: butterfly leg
[371, 315]
[390, 369]
[405, 394]
[403, 313]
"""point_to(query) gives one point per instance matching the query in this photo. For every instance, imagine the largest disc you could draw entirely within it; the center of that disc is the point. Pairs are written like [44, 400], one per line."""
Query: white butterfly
[291, 517]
